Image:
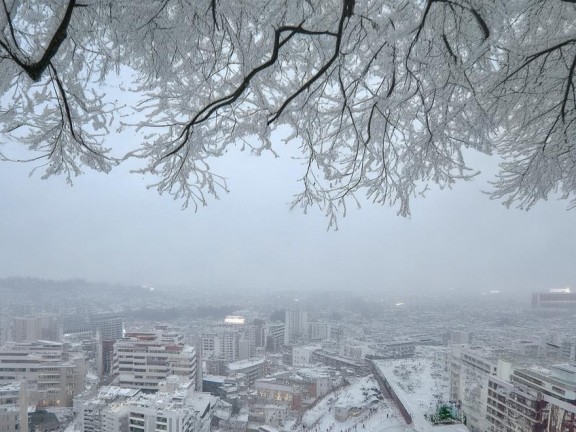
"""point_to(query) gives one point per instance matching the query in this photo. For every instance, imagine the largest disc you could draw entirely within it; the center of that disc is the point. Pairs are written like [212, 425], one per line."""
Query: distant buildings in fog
[554, 299]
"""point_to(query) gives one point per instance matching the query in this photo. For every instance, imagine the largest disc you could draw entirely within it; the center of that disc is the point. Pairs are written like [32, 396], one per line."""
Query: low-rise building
[13, 407]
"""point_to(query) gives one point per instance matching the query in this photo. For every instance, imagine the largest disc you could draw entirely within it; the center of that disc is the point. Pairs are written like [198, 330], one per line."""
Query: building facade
[144, 360]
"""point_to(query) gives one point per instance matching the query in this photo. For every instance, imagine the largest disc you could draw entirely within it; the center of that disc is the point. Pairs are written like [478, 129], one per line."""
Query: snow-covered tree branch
[382, 96]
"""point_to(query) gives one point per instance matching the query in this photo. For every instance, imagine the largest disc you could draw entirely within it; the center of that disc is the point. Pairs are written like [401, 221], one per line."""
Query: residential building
[53, 375]
[36, 327]
[274, 336]
[470, 369]
[13, 407]
[221, 342]
[116, 409]
[296, 326]
[512, 408]
[144, 360]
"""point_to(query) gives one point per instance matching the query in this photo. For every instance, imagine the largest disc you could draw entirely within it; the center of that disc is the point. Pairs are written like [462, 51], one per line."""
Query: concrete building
[295, 390]
[221, 342]
[53, 376]
[470, 369]
[144, 360]
[116, 409]
[103, 410]
[110, 326]
[13, 407]
[170, 413]
[514, 409]
[274, 333]
[535, 399]
[251, 369]
[303, 356]
[36, 327]
[296, 326]
[318, 331]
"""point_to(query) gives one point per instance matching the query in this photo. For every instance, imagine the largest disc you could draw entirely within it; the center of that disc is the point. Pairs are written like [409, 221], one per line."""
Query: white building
[303, 356]
[296, 326]
[13, 408]
[170, 412]
[223, 344]
[53, 376]
[470, 369]
[144, 360]
[115, 409]
[252, 369]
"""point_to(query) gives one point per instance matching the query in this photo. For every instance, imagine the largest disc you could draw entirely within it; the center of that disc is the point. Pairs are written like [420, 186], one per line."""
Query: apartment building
[36, 327]
[274, 334]
[251, 369]
[512, 408]
[53, 375]
[13, 407]
[221, 342]
[171, 413]
[470, 369]
[115, 409]
[144, 360]
[296, 326]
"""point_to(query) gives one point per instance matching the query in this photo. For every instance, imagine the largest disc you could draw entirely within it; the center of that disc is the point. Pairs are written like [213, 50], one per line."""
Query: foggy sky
[111, 228]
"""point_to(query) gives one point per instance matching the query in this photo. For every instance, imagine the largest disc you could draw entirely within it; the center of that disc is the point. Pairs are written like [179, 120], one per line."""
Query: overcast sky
[111, 228]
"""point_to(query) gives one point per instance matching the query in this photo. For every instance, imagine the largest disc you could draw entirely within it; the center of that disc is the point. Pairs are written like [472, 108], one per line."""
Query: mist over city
[287, 216]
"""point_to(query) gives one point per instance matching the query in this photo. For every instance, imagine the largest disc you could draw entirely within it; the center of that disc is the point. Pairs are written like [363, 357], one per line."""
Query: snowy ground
[375, 417]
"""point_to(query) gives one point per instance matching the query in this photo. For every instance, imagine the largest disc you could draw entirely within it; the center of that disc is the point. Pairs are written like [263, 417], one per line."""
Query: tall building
[318, 331]
[53, 376]
[144, 360]
[470, 370]
[296, 326]
[110, 326]
[274, 334]
[36, 327]
[221, 342]
[512, 408]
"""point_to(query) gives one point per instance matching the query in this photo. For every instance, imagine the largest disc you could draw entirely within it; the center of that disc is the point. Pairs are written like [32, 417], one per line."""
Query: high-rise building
[511, 408]
[296, 326]
[110, 326]
[469, 372]
[36, 327]
[221, 342]
[274, 333]
[144, 360]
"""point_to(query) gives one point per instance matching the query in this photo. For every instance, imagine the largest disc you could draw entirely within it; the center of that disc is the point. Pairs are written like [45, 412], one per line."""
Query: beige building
[53, 376]
[144, 360]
